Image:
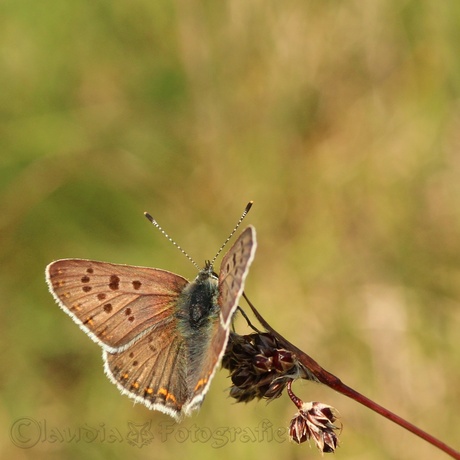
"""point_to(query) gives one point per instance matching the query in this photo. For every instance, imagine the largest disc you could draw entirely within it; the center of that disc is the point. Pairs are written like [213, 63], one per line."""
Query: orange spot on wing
[201, 383]
[167, 394]
[89, 321]
[161, 392]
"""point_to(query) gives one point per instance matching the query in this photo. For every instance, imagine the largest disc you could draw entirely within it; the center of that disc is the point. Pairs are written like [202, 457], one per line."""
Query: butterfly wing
[114, 304]
[202, 372]
[152, 371]
[233, 272]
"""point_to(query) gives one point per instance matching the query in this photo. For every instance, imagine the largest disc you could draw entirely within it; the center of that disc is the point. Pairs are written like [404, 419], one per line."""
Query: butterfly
[162, 336]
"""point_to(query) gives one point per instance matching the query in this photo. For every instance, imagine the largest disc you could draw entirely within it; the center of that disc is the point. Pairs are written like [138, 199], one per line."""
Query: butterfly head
[207, 272]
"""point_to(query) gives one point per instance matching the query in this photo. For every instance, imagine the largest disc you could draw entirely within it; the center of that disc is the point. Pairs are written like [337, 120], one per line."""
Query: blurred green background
[341, 120]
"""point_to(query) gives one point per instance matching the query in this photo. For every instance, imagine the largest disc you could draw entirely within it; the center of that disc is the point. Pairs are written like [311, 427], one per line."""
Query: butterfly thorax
[197, 304]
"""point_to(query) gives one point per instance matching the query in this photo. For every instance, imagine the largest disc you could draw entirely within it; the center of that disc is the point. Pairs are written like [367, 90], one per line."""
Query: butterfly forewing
[233, 272]
[114, 303]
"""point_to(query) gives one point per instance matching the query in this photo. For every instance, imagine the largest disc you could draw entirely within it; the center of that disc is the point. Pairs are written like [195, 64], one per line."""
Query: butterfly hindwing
[202, 372]
[153, 370]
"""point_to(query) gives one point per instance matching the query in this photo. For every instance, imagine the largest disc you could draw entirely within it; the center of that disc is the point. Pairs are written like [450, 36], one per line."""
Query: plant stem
[325, 377]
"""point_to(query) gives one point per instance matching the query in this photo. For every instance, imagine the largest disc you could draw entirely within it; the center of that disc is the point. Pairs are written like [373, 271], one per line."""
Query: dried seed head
[259, 367]
[314, 420]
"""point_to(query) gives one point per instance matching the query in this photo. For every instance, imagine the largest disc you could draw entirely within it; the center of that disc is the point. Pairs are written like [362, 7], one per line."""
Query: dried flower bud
[262, 363]
[314, 420]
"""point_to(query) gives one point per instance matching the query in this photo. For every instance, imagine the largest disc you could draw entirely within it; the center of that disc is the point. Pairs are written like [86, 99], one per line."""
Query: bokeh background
[341, 120]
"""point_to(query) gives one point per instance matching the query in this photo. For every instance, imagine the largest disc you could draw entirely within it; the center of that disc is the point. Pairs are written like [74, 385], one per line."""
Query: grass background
[341, 120]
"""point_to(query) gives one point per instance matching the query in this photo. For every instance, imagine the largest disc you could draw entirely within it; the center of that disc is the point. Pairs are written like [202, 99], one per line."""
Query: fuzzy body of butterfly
[162, 336]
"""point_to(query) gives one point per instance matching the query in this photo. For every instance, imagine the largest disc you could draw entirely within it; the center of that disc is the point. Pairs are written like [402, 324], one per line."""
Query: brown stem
[297, 401]
[335, 383]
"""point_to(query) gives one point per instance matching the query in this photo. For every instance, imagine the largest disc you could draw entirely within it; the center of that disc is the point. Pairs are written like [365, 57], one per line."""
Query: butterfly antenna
[157, 225]
[246, 210]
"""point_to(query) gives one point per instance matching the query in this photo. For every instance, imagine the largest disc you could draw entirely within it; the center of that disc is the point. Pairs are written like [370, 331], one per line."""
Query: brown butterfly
[162, 336]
